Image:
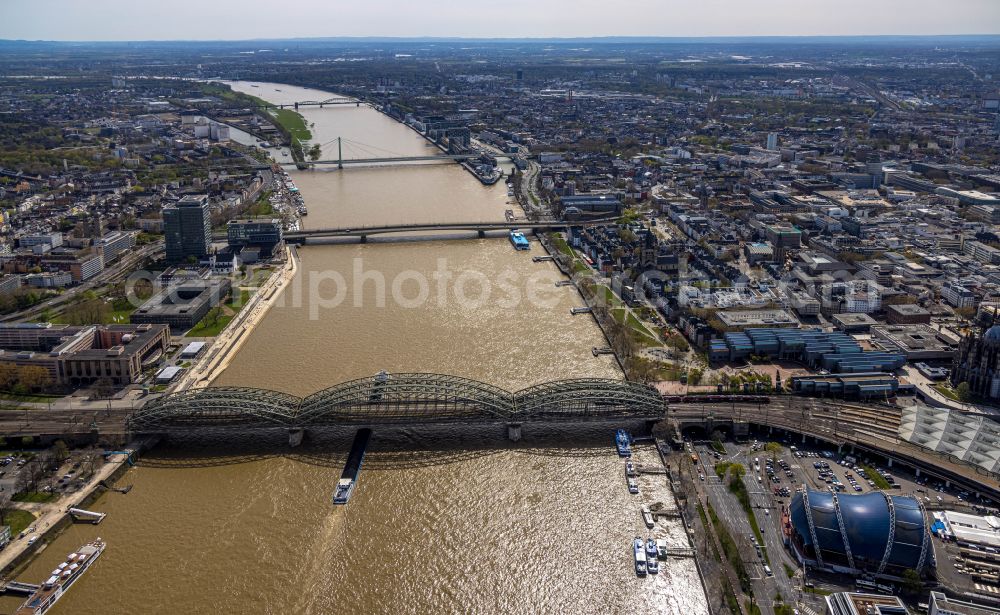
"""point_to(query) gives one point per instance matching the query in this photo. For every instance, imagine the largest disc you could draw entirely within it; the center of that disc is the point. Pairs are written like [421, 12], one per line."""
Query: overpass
[479, 227]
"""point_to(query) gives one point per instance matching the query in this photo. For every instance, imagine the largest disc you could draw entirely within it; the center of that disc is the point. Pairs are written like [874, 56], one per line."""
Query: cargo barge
[349, 477]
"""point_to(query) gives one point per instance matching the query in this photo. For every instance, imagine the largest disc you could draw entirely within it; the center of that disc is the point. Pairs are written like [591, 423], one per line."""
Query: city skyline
[116, 20]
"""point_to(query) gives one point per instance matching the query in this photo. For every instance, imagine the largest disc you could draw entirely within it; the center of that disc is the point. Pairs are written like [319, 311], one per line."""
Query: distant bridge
[398, 399]
[373, 154]
[389, 159]
[335, 101]
[480, 227]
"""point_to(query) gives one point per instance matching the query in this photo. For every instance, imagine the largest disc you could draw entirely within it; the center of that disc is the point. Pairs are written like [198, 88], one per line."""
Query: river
[449, 521]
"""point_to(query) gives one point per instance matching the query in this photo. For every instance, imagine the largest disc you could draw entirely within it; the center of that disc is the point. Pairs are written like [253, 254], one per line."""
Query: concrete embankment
[555, 258]
[55, 519]
[232, 338]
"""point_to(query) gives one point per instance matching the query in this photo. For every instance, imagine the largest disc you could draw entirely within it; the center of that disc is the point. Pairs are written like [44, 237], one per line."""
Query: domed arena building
[874, 533]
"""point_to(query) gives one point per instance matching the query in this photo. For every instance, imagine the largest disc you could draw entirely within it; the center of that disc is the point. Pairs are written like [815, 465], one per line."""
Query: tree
[213, 316]
[104, 388]
[717, 439]
[694, 377]
[87, 468]
[677, 342]
[33, 472]
[315, 152]
[27, 441]
[8, 376]
[965, 313]
[92, 310]
[963, 392]
[33, 378]
[911, 581]
[5, 507]
[60, 450]
[773, 449]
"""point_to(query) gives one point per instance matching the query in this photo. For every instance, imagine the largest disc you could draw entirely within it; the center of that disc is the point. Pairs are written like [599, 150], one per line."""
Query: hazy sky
[240, 19]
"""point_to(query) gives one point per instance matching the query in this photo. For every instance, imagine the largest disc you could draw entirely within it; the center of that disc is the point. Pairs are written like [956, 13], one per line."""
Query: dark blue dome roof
[866, 524]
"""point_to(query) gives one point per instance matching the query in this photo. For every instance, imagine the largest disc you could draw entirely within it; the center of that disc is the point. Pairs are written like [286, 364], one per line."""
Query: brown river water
[450, 520]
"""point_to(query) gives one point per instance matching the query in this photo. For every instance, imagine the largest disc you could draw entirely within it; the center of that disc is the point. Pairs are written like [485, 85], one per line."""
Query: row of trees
[21, 299]
[24, 379]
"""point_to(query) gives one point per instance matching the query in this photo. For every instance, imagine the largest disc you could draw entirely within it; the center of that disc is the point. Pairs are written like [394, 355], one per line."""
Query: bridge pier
[295, 435]
[296, 106]
[481, 233]
[364, 239]
[513, 431]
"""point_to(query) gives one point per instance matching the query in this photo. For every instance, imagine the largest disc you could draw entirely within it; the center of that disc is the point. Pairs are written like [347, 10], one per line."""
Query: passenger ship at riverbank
[65, 574]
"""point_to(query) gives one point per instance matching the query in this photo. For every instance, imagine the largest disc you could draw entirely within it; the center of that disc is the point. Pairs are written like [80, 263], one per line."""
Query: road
[731, 512]
[530, 199]
[117, 272]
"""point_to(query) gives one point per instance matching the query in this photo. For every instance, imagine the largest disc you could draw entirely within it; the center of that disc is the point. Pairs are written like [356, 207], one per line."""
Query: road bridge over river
[328, 102]
[481, 228]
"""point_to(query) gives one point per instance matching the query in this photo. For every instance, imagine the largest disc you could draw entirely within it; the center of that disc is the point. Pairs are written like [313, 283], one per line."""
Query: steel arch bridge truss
[399, 398]
[584, 398]
[406, 398]
[216, 407]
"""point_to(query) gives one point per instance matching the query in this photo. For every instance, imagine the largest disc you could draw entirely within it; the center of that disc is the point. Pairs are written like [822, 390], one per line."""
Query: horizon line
[520, 39]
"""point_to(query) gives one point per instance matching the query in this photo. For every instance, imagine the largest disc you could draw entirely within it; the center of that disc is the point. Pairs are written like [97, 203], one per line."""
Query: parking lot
[42, 473]
[774, 474]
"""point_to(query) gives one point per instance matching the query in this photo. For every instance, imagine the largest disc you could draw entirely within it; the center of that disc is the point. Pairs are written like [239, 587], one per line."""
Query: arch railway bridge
[399, 399]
